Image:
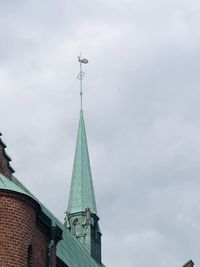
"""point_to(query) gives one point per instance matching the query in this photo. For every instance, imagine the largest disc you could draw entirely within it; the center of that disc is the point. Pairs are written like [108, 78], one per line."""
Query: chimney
[190, 263]
[5, 167]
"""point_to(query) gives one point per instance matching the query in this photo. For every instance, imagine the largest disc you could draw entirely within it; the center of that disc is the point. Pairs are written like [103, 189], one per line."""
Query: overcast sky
[141, 109]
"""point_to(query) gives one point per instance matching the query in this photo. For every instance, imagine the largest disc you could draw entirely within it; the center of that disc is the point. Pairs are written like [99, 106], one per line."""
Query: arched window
[30, 256]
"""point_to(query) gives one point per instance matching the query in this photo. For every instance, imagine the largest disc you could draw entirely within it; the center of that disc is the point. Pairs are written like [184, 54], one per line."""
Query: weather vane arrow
[80, 76]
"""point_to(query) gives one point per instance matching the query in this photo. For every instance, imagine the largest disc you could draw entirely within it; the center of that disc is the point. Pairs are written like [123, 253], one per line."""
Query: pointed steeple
[82, 192]
[81, 216]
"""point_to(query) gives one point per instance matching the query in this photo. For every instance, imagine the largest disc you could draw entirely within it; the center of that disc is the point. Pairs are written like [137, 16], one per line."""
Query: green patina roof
[69, 250]
[6, 184]
[82, 191]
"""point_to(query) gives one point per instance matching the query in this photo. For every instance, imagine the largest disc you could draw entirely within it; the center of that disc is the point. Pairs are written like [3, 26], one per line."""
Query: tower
[81, 216]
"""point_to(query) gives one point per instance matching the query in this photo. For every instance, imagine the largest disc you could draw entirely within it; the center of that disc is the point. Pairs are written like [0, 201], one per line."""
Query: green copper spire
[81, 216]
[82, 191]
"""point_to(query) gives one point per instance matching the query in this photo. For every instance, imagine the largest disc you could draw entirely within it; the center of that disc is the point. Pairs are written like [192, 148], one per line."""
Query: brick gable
[189, 264]
[5, 167]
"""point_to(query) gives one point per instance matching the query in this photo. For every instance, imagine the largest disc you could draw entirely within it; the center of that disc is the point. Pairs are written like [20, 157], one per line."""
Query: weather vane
[81, 75]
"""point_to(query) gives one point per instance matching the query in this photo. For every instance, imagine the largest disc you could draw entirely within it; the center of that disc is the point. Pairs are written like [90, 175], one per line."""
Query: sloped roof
[6, 184]
[82, 191]
[69, 251]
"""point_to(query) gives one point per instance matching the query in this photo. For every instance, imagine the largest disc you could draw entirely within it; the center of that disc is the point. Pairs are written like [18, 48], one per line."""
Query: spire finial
[80, 76]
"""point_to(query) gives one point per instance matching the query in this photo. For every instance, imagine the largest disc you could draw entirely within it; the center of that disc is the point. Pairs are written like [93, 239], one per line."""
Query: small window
[30, 257]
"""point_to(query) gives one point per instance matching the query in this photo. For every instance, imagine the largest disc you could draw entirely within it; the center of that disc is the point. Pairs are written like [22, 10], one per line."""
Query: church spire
[82, 192]
[81, 216]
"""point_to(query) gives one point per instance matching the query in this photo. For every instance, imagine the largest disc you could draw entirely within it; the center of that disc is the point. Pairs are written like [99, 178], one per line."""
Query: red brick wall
[18, 230]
